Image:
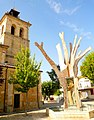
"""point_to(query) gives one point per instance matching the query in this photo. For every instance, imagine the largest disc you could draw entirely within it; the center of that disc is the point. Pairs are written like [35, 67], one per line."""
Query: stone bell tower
[13, 35]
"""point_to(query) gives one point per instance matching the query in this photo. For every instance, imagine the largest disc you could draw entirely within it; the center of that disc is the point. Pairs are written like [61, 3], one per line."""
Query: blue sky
[48, 18]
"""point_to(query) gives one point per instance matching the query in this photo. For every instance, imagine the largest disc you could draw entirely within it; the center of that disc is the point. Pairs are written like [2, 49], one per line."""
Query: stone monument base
[70, 114]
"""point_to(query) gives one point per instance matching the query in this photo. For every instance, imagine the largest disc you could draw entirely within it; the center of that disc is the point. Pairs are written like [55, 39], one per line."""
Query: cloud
[55, 6]
[71, 11]
[76, 29]
[58, 8]
[72, 26]
[87, 35]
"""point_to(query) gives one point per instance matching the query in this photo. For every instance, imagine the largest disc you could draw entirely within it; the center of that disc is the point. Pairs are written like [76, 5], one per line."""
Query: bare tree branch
[64, 48]
[51, 62]
[74, 44]
[83, 54]
[70, 52]
[77, 46]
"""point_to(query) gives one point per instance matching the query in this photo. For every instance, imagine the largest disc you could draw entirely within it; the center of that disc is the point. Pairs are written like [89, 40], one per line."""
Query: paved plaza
[33, 115]
[36, 114]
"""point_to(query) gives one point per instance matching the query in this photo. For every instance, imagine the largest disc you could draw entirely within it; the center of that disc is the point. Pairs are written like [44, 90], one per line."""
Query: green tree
[87, 67]
[47, 88]
[55, 80]
[26, 74]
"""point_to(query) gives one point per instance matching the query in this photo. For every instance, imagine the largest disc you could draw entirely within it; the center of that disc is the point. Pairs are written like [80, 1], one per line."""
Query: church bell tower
[13, 34]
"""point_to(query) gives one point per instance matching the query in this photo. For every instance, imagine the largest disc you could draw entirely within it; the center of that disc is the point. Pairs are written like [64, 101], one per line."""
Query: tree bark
[63, 83]
[26, 106]
[77, 98]
[61, 75]
[64, 48]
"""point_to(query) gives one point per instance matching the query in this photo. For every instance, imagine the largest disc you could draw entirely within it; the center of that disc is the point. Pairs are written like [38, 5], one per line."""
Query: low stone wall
[70, 115]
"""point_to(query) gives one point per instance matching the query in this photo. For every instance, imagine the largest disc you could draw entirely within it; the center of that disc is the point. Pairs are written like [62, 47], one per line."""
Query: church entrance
[16, 100]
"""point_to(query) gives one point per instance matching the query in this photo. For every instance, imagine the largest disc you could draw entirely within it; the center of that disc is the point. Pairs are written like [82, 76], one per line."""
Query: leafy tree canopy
[47, 88]
[26, 74]
[87, 67]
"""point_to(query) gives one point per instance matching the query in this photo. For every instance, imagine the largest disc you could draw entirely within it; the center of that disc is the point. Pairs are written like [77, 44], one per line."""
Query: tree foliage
[27, 73]
[47, 88]
[58, 92]
[87, 67]
[54, 78]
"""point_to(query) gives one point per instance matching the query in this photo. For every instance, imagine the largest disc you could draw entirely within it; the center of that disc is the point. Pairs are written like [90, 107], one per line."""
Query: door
[16, 100]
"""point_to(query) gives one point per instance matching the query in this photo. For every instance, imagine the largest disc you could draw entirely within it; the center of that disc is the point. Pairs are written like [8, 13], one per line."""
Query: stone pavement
[38, 114]
[33, 115]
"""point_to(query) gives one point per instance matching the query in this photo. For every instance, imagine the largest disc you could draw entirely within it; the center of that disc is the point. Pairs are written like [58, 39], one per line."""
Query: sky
[48, 19]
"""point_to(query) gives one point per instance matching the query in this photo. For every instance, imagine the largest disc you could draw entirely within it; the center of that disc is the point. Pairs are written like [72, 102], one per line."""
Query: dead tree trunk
[59, 73]
[72, 62]
[70, 65]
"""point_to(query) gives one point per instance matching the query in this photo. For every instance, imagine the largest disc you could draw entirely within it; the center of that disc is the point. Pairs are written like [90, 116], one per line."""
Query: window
[2, 30]
[21, 32]
[12, 29]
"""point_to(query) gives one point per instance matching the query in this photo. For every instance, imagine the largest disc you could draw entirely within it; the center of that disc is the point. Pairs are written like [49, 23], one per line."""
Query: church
[14, 34]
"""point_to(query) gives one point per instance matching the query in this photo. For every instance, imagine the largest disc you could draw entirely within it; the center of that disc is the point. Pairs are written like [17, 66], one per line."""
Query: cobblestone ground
[34, 115]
